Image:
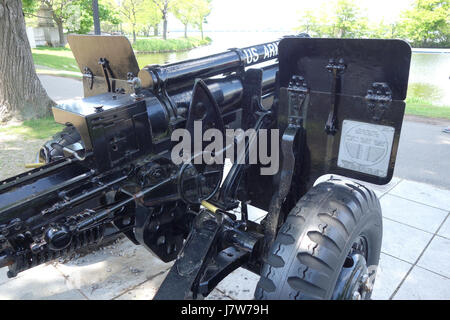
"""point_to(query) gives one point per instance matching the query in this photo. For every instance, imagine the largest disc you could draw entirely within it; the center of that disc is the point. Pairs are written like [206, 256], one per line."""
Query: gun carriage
[338, 107]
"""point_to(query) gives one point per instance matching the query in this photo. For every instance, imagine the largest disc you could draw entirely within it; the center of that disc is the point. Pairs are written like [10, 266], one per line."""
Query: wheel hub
[354, 280]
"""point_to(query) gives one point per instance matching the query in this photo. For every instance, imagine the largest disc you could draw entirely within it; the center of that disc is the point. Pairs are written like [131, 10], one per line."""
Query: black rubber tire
[309, 252]
[53, 149]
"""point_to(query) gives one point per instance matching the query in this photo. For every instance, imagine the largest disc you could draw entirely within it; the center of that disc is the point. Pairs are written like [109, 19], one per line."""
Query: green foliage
[203, 9]
[75, 15]
[29, 6]
[160, 45]
[81, 19]
[425, 93]
[427, 24]
[350, 21]
[423, 100]
[139, 15]
[383, 30]
[185, 11]
[148, 15]
[310, 23]
[342, 19]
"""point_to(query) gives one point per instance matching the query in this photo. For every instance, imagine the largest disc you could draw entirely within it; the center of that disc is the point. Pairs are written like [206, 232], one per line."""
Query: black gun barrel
[227, 91]
[229, 61]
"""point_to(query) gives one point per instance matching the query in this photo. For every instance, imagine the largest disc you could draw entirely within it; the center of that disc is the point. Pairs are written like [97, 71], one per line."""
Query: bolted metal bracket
[336, 67]
[182, 281]
[108, 74]
[297, 92]
[379, 98]
[88, 73]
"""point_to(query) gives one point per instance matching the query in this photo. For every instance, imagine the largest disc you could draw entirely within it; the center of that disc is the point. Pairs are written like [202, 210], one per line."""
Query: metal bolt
[367, 284]
[356, 295]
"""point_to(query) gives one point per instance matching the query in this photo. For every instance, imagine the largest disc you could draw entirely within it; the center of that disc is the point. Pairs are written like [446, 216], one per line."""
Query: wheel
[328, 248]
[53, 149]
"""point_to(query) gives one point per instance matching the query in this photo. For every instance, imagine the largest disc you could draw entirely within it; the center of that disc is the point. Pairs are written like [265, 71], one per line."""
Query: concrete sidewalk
[415, 259]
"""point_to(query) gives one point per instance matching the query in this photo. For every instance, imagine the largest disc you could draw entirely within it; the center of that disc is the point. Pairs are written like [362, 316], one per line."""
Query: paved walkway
[415, 259]
[60, 88]
[424, 151]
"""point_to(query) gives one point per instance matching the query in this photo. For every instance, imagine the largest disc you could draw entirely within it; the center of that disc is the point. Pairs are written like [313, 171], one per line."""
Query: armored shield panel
[88, 49]
[349, 94]
[97, 54]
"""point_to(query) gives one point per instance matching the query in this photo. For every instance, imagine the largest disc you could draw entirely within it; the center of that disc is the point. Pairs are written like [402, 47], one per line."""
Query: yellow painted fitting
[209, 206]
[34, 165]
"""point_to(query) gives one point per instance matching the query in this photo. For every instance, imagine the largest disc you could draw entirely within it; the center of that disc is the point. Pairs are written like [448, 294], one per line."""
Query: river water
[429, 77]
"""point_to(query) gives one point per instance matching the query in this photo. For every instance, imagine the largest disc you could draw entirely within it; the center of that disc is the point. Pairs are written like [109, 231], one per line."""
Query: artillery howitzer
[337, 107]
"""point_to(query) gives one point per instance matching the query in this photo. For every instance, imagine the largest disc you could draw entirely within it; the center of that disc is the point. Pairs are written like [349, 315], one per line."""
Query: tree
[130, 10]
[164, 7]
[96, 17]
[148, 17]
[343, 19]
[80, 15]
[61, 11]
[30, 6]
[185, 11]
[383, 30]
[108, 12]
[203, 9]
[349, 22]
[74, 15]
[309, 23]
[427, 23]
[21, 92]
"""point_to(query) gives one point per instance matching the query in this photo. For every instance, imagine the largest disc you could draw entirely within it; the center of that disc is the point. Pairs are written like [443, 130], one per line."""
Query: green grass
[160, 45]
[55, 58]
[429, 111]
[422, 101]
[33, 129]
[61, 59]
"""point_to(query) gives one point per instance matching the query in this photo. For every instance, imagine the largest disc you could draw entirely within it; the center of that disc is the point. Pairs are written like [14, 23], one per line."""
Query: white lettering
[255, 55]
[266, 53]
[272, 50]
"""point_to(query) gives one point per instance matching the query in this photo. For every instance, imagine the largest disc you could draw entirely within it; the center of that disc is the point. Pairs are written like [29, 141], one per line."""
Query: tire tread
[306, 252]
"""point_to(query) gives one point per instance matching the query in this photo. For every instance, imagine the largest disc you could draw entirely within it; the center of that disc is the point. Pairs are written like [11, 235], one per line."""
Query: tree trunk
[185, 30]
[155, 30]
[96, 17]
[59, 24]
[134, 34]
[201, 29]
[21, 92]
[165, 27]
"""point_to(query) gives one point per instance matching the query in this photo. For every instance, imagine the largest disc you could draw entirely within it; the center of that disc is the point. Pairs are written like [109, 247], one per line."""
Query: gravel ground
[15, 152]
